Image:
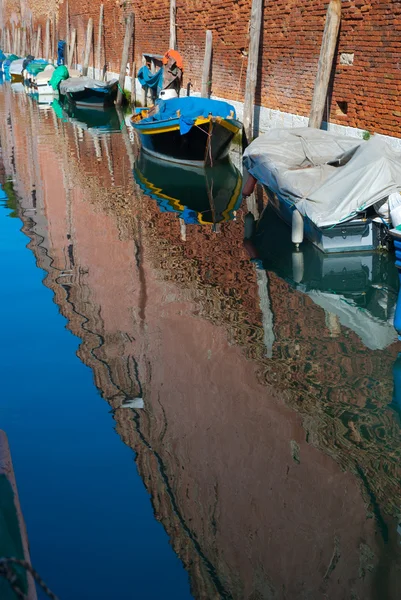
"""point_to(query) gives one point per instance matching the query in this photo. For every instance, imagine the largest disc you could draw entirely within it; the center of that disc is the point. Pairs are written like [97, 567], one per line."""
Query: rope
[209, 135]
[7, 572]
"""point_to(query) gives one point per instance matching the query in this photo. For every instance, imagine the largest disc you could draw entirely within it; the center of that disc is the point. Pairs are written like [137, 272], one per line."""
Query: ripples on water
[266, 415]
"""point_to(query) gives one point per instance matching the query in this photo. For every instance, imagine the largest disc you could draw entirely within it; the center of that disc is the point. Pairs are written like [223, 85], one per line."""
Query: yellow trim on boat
[225, 123]
[166, 129]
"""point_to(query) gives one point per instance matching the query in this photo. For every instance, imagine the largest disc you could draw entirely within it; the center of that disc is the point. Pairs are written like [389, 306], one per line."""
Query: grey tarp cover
[79, 84]
[294, 163]
[16, 66]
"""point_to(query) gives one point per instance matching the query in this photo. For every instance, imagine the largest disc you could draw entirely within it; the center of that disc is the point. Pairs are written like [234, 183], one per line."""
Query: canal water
[193, 409]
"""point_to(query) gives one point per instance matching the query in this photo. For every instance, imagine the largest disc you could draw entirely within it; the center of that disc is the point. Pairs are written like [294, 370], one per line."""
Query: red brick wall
[291, 40]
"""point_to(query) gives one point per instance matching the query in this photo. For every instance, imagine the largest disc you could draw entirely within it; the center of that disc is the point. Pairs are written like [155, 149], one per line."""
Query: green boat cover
[59, 75]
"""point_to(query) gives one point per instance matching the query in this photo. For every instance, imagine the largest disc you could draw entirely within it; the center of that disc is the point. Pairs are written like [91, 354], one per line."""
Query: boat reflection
[97, 121]
[198, 196]
[358, 289]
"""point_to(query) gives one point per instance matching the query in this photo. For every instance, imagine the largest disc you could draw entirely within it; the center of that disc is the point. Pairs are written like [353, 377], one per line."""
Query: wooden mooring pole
[14, 40]
[38, 34]
[100, 41]
[9, 49]
[54, 46]
[24, 49]
[205, 90]
[72, 48]
[129, 28]
[31, 38]
[47, 40]
[67, 34]
[18, 35]
[173, 27]
[327, 50]
[88, 46]
[252, 69]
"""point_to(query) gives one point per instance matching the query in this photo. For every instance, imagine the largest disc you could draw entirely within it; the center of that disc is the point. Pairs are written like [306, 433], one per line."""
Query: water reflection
[357, 289]
[265, 431]
[198, 196]
[99, 121]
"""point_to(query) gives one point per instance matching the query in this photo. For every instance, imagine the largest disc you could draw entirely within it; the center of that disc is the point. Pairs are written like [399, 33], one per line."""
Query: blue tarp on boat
[61, 53]
[190, 109]
[151, 80]
[36, 66]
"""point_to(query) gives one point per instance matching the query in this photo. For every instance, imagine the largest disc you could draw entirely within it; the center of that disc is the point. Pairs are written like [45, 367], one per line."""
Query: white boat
[41, 82]
[16, 68]
[331, 189]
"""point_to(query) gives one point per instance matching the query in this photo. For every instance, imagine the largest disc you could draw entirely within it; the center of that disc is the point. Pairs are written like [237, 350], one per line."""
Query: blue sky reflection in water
[269, 439]
[90, 521]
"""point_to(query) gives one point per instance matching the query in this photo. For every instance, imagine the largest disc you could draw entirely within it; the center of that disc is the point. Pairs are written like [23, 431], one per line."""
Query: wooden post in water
[129, 28]
[72, 48]
[252, 69]
[38, 34]
[325, 65]
[173, 26]
[47, 40]
[18, 44]
[14, 38]
[205, 93]
[31, 38]
[89, 37]
[67, 34]
[24, 48]
[100, 41]
[54, 46]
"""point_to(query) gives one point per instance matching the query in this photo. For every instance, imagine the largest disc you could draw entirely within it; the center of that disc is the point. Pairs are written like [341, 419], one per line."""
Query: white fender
[297, 230]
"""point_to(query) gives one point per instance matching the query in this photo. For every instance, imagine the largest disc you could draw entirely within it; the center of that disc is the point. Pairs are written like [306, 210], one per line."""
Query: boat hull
[356, 235]
[207, 142]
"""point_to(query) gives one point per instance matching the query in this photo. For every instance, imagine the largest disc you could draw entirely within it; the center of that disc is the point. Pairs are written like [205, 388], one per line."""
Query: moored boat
[330, 189]
[189, 130]
[88, 92]
[15, 69]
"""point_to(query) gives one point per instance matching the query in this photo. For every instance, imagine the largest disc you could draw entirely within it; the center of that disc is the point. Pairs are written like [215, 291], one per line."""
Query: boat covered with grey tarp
[86, 91]
[338, 184]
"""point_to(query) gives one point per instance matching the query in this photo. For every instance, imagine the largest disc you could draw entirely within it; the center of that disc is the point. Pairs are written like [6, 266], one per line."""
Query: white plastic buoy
[297, 230]
[297, 266]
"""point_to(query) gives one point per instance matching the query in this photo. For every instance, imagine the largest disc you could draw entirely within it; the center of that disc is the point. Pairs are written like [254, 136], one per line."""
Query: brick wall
[367, 90]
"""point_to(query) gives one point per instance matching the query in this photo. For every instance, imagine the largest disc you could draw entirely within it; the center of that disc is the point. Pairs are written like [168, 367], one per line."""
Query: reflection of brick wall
[215, 445]
[291, 39]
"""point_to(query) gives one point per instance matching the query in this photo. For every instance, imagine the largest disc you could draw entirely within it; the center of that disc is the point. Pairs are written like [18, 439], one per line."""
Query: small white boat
[16, 68]
[331, 189]
[41, 82]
